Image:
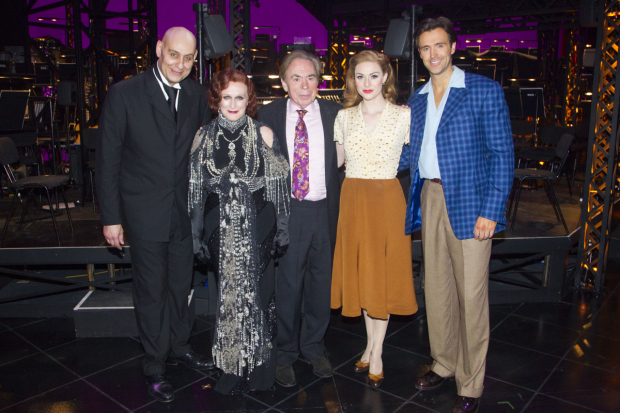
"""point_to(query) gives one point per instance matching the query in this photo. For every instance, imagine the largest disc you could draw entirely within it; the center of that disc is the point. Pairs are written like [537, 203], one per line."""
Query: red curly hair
[220, 83]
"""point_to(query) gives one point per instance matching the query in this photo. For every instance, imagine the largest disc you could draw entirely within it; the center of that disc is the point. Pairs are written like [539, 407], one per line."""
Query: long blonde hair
[351, 97]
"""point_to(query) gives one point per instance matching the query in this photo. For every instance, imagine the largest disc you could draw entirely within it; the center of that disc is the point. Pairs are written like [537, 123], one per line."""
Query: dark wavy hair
[220, 83]
[433, 23]
[351, 97]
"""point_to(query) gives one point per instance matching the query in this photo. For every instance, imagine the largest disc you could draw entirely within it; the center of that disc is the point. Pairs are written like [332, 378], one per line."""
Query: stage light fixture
[274, 77]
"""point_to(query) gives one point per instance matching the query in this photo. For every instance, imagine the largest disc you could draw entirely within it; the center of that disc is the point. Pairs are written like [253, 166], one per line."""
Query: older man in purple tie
[304, 126]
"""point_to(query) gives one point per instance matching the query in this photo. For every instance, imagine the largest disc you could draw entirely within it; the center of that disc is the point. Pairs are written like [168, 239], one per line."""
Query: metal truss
[69, 18]
[601, 181]
[338, 54]
[572, 78]
[240, 32]
[548, 46]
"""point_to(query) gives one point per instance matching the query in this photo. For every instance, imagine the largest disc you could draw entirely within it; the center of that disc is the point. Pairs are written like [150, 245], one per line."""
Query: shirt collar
[311, 108]
[457, 79]
[161, 79]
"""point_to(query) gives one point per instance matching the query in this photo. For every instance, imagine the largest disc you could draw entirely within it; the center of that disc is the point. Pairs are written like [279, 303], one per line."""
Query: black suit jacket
[142, 155]
[274, 116]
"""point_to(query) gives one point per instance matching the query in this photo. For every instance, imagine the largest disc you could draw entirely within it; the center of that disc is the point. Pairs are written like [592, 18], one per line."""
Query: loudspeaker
[398, 39]
[67, 93]
[216, 38]
[588, 13]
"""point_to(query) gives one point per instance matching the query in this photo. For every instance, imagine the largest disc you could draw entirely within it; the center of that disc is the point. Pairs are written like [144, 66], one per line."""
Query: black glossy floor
[543, 357]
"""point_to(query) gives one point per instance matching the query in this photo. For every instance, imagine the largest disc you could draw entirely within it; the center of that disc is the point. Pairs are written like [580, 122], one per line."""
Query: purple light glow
[287, 17]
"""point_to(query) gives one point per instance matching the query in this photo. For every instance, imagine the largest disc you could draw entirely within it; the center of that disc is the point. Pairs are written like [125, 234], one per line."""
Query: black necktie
[172, 98]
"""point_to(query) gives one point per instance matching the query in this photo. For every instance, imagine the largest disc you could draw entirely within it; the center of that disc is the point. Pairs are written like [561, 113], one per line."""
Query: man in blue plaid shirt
[461, 161]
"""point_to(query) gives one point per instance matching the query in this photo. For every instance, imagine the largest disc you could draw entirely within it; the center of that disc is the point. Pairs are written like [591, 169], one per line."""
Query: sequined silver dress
[239, 211]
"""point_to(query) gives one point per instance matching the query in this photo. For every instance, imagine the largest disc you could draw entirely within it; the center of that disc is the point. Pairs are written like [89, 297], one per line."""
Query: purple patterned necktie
[301, 182]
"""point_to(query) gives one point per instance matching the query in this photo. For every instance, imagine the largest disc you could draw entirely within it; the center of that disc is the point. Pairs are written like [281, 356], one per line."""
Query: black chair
[89, 140]
[10, 155]
[550, 135]
[561, 152]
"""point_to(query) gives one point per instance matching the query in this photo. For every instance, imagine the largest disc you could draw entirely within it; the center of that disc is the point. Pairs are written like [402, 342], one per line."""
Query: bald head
[176, 52]
[179, 34]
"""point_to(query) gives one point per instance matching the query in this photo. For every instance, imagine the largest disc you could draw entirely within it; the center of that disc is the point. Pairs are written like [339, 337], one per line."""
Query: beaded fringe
[242, 338]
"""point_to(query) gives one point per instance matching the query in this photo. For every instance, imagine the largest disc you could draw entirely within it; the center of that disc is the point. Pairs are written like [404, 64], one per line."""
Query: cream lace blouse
[373, 154]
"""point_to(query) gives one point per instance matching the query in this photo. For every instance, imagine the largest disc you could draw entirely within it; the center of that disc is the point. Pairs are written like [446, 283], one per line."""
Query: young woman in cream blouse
[372, 272]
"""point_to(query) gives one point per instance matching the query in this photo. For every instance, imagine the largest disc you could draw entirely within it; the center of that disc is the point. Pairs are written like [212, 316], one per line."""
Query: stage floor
[543, 358]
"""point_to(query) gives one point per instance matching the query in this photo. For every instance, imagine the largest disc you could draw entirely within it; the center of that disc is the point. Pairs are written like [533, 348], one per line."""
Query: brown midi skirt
[372, 261]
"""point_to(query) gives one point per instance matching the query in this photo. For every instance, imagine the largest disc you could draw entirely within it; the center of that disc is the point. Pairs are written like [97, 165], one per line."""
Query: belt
[435, 180]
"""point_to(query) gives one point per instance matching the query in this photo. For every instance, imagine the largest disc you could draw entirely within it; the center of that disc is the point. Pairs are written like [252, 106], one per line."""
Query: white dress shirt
[429, 164]
[163, 79]
[316, 146]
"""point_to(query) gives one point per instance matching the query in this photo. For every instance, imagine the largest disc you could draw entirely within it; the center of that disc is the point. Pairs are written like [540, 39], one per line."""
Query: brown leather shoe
[429, 381]
[375, 381]
[361, 367]
[465, 405]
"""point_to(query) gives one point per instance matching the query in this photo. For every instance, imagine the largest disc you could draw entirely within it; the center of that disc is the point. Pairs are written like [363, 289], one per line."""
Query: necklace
[232, 154]
[248, 138]
[231, 125]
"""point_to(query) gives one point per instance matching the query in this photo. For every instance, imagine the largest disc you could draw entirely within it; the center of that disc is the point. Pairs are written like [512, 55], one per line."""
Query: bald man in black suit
[145, 133]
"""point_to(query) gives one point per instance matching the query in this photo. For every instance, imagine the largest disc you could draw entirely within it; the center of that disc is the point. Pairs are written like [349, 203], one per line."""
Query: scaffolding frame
[601, 181]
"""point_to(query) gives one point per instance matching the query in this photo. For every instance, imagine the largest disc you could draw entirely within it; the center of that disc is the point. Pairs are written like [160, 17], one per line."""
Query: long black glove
[281, 241]
[196, 215]
[200, 249]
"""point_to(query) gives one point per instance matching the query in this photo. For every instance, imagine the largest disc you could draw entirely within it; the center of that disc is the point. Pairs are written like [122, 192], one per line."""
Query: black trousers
[162, 278]
[305, 275]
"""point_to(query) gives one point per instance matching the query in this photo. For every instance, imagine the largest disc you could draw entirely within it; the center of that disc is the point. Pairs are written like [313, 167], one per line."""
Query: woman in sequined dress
[239, 211]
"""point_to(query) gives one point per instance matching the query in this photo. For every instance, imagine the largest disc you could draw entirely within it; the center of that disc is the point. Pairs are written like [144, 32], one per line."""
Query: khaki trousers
[456, 294]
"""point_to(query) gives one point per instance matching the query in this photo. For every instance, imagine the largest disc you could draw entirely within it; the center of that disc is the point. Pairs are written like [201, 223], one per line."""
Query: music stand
[47, 112]
[13, 105]
[532, 100]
